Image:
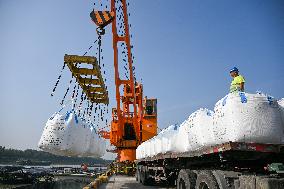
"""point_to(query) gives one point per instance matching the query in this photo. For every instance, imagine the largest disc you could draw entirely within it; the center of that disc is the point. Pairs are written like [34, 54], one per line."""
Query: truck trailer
[231, 165]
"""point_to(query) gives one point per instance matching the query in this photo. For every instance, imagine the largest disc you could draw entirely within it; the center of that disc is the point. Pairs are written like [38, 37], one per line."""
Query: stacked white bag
[68, 135]
[281, 106]
[243, 117]
[238, 117]
[162, 143]
[168, 139]
[196, 131]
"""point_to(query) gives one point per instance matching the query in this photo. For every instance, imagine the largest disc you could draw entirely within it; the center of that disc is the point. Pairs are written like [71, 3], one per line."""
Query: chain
[70, 82]
[80, 100]
[53, 91]
[86, 52]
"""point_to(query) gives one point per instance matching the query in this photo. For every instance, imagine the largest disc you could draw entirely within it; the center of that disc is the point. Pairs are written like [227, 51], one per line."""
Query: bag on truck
[164, 141]
[190, 137]
[238, 117]
[281, 106]
[169, 139]
[244, 117]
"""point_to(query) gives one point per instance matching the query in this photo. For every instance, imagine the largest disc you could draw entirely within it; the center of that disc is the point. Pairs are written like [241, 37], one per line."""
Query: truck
[230, 165]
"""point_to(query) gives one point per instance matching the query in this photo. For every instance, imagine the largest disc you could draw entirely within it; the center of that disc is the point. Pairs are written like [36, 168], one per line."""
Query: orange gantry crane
[134, 120]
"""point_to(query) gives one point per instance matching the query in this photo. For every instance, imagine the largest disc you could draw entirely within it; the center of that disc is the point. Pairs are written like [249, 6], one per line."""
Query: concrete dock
[123, 182]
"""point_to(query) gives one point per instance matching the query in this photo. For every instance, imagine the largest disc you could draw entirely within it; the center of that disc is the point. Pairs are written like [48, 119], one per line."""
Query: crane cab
[149, 119]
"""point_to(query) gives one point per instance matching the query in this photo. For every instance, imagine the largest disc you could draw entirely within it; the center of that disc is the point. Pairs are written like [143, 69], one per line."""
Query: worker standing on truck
[238, 83]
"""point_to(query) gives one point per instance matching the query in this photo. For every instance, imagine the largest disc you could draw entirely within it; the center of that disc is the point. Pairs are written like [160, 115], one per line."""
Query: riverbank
[49, 177]
[36, 157]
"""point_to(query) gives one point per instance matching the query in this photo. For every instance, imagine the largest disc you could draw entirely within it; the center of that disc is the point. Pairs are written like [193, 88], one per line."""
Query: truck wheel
[185, 180]
[171, 181]
[138, 176]
[144, 177]
[206, 180]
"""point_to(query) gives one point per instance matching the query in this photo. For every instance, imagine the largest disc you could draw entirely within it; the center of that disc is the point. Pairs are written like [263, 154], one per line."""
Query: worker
[84, 167]
[238, 83]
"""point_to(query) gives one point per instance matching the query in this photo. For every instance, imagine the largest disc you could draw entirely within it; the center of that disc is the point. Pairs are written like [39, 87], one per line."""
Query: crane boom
[134, 119]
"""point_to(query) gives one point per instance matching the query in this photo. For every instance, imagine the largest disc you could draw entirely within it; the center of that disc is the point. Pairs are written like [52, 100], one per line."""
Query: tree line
[11, 156]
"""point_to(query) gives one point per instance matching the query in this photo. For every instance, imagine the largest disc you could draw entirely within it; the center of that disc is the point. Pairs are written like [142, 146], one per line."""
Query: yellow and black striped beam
[102, 18]
[90, 79]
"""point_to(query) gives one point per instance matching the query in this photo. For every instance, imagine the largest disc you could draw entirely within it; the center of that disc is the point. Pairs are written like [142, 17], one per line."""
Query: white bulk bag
[138, 152]
[194, 134]
[181, 139]
[69, 135]
[94, 144]
[204, 123]
[188, 137]
[53, 133]
[162, 140]
[243, 117]
[82, 140]
[158, 148]
[147, 148]
[152, 146]
[143, 150]
[102, 146]
[238, 117]
[74, 136]
[168, 138]
[281, 106]
[161, 143]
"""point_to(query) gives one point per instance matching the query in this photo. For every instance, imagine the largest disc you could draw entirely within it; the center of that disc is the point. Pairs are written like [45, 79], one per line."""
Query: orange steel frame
[143, 126]
[132, 96]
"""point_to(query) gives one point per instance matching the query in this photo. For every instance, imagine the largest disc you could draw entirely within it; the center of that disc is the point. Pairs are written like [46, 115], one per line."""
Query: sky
[183, 52]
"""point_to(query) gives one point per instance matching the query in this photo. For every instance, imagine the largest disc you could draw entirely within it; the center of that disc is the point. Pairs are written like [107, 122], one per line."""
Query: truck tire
[186, 179]
[138, 175]
[144, 177]
[171, 181]
[206, 180]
